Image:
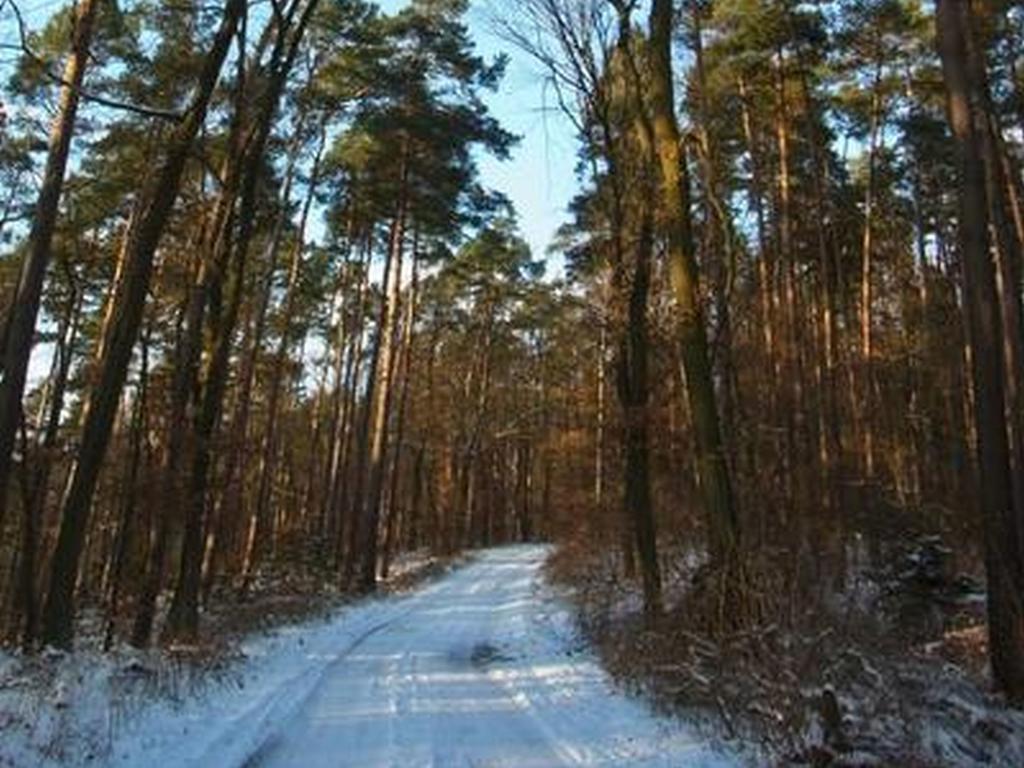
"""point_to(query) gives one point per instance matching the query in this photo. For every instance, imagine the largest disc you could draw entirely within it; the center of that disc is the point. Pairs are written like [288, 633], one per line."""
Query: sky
[539, 178]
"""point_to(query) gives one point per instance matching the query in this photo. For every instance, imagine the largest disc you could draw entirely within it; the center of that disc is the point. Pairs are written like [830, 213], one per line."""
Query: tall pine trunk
[394, 507]
[140, 246]
[183, 617]
[715, 480]
[634, 393]
[1004, 562]
[867, 383]
[380, 404]
[19, 331]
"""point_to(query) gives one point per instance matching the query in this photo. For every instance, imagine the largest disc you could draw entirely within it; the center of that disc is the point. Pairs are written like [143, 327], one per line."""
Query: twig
[145, 111]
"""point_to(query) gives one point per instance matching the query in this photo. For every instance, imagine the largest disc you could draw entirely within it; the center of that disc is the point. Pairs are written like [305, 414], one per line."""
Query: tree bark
[867, 384]
[380, 404]
[394, 506]
[337, 486]
[716, 483]
[19, 330]
[346, 512]
[183, 618]
[139, 248]
[634, 394]
[788, 369]
[1004, 564]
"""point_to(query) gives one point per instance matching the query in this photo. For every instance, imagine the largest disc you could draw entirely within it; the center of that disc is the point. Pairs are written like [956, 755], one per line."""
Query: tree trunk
[867, 383]
[1004, 563]
[139, 248]
[230, 515]
[599, 439]
[765, 270]
[788, 368]
[634, 394]
[714, 473]
[214, 251]
[39, 482]
[127, 524]
[380, 405]
[265, 533]
[1006, 228]
[337, 485]
[718, 247]
[830, 437]
[405, 355]
[183, 618]
[19, 331]
[765, 289]
[348, 522]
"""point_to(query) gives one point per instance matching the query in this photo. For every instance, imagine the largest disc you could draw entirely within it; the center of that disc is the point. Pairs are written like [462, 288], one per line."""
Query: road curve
[480, 668]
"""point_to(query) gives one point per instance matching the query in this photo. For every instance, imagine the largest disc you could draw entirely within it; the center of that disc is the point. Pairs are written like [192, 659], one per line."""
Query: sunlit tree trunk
[19, 328]
[789, 373]
[867, 384]
[338, 486]
[379, 402]
[139, 249]
[715, 480]
[394, 505]
[1004, 562]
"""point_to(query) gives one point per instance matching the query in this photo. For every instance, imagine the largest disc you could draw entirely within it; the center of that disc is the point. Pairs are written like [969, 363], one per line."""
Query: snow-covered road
[480, 668]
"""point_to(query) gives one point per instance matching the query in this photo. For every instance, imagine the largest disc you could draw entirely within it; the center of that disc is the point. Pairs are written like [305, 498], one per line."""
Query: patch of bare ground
[835, 685]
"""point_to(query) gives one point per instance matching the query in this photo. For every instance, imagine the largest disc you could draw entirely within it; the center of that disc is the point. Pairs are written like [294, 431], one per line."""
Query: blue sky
[539, 178]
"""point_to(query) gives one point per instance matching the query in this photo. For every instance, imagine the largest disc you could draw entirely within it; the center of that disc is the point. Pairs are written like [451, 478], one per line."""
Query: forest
[267, 330]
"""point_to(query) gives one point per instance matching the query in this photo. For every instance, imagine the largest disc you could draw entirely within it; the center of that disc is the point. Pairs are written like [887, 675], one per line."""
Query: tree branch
[145, 111]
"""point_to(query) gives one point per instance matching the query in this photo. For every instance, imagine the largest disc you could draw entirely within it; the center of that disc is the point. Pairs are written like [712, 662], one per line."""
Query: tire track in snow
[267, 720]
[473, 671]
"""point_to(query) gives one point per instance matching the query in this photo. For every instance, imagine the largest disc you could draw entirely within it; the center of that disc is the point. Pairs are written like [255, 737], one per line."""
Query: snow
[481, 667]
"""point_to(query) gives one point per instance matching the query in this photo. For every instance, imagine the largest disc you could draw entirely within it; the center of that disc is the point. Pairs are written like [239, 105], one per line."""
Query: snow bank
[129, 708]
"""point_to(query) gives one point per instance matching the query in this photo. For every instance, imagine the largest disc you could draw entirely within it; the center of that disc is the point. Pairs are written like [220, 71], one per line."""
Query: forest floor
[482, 666]
[888, 669]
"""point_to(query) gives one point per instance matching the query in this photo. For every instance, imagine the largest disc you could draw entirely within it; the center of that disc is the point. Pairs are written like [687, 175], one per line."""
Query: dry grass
[835, 684]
